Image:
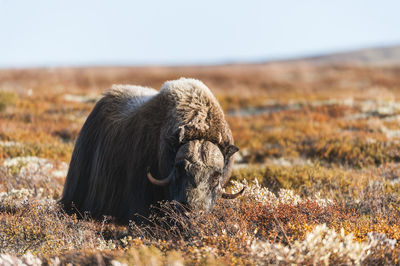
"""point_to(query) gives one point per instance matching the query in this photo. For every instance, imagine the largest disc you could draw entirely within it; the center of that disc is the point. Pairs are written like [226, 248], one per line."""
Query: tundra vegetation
[319, 154]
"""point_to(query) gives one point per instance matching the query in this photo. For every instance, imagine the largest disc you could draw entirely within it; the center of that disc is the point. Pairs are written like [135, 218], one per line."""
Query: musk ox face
[198, 173]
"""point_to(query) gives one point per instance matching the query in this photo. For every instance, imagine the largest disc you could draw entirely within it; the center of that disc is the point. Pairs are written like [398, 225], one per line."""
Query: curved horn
[157, 182]
[232, 196]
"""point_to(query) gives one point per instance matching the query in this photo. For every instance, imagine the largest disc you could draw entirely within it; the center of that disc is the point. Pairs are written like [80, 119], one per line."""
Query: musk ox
[139, 146]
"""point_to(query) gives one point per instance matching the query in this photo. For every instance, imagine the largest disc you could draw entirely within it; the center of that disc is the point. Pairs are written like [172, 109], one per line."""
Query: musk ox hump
[130, 96]
[196, 113]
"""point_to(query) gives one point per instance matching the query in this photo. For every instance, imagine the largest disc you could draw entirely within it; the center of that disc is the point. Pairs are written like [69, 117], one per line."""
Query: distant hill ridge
[385, 56]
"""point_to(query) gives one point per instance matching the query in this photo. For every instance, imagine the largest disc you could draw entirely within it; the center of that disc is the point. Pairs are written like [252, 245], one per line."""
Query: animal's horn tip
[233, 196]
[242, 190]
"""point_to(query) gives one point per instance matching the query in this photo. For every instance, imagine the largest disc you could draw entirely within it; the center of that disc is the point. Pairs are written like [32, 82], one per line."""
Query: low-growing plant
[7, 98]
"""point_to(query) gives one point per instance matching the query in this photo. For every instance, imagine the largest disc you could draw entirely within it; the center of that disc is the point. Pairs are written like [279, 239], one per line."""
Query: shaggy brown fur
[132, 128]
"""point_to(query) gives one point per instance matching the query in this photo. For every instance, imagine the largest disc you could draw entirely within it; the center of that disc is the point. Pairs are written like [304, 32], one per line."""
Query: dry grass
[319, 155]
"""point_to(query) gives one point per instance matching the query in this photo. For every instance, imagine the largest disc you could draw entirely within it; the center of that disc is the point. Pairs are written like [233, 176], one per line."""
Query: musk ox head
[197, 177]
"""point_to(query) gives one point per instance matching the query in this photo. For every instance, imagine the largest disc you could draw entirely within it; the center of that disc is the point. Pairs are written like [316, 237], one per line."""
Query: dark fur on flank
[132, 128]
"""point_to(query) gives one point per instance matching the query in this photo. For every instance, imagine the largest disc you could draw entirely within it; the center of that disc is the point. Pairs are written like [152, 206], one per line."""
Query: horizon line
[199, 63]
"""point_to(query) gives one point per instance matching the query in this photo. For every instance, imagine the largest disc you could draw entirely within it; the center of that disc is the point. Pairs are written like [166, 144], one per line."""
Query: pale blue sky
[55, 32]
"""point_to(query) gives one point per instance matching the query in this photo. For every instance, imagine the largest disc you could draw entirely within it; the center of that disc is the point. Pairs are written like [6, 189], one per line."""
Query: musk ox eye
[215, 179]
